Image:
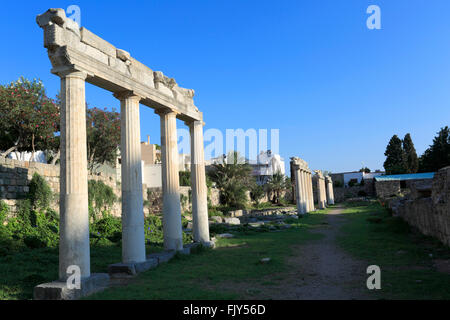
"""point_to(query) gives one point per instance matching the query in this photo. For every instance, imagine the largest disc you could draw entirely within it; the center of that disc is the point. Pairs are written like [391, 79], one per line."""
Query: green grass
[22, 271]
[202, 275]
[407, 270]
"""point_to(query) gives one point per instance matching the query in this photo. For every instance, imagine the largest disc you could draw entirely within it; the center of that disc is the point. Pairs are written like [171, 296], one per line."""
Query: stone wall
[386, 189]
[427, 206]
[16, 175]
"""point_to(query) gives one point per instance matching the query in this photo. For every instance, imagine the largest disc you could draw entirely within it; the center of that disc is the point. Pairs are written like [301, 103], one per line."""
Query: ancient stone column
[303, 189]
[198, 184]
[173, 237]
[321, 190]
[330, 193]
[133, 235]
[74, 212]
[308, 191]
[299, 191]
[311, 192]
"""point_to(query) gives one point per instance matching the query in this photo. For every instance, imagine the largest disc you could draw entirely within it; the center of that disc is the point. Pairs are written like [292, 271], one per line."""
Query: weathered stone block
[233, 221]
[57, 290]
[95, 41]
[134, 267]
[162, 257]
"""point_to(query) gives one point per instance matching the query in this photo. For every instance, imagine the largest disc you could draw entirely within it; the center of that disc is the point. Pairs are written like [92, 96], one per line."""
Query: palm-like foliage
[232, 178]
[276, 185]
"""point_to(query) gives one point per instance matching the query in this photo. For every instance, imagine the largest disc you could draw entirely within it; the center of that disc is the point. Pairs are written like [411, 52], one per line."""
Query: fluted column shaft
[311, 192]
[298, 191]
[198, 184]
[303, 189]
[173, 237]
[330, 192]
[74, 212]
[133, 235]
[320, 193]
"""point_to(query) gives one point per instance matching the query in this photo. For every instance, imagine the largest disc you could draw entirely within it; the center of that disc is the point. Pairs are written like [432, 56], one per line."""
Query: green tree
[233, 179]
[103, 136]
[29, 120]
[365, 170]
[411, 160]
[394, 153]
[437, 156]
[276, 185]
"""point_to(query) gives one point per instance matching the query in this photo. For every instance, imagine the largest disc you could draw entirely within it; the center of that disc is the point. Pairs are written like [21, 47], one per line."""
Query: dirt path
[320, 270]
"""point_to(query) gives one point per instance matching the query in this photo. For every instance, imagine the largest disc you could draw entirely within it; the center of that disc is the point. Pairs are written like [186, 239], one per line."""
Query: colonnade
[303, 185]
[74, 213]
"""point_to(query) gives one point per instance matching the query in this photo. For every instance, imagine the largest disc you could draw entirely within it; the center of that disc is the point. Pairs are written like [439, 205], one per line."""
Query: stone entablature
[73, 48]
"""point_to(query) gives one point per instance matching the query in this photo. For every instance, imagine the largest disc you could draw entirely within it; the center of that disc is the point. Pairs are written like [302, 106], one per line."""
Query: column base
[132, 268]
[153, 260]
[57, 290]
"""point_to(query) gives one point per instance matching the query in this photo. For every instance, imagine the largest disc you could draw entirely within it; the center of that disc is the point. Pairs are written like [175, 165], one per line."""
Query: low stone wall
[343, 193]
[15, 177]
[429, 214]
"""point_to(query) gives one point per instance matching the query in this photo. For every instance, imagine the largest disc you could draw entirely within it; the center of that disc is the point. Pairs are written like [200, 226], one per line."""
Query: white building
[267, 165]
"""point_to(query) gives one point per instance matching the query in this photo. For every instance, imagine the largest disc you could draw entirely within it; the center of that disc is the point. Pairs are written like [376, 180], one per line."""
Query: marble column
[308, 192]
[198, 184]
[298, 191]
[74, 212]
[173, 236]
[303, 188]
[320, 191]
[330, 193]
[311, 192]
[133, 235]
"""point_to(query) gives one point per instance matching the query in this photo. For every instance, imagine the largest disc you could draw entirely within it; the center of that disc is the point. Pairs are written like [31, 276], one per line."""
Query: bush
[185, 178]
[108, 227]
[256, 193]
[40, 193]
[4, 210]
[101, 199]
[352, 182]
[362, 193]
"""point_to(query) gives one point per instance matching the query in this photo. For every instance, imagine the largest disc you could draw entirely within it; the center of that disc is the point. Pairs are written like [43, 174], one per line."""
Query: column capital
[71, 74]
[168, 111]
[123, 95]
[190, 123]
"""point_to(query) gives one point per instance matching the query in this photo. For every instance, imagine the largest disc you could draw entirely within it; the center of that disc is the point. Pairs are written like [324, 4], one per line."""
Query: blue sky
[336, 90]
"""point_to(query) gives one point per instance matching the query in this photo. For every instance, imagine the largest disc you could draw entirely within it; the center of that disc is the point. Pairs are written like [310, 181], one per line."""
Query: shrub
[108, 227]
[40, 193]
[362, 193]
[4, 210]
[153, 230]
[101, 198]
[185, 178]
[256, 193]
[352, 182]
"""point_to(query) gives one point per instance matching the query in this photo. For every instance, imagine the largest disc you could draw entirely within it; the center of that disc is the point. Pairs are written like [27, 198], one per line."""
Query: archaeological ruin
[77, 56]
[329, 187]
[321, 189]
[303, 185]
